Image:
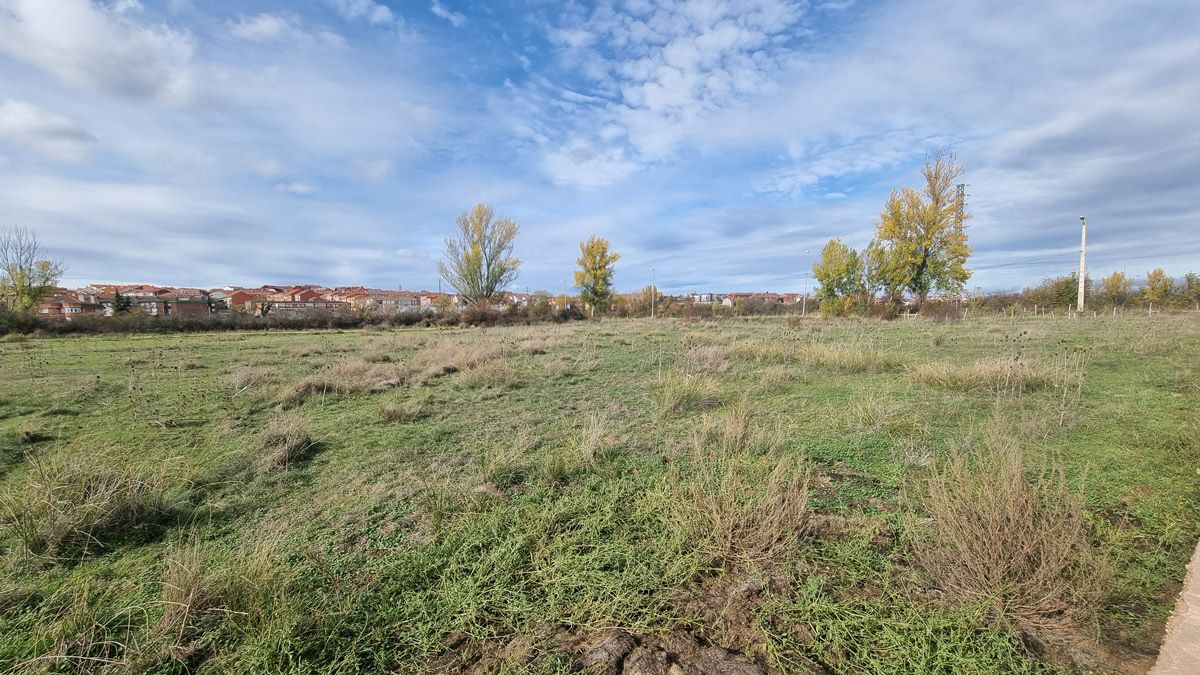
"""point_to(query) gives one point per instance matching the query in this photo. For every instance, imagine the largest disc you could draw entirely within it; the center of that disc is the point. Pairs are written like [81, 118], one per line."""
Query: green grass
[433, 498]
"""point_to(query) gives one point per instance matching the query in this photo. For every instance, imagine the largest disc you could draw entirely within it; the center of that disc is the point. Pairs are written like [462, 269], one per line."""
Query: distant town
[111, 299]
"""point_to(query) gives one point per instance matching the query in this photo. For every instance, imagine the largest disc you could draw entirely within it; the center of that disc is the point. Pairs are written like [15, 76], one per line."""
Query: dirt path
[1180, 653]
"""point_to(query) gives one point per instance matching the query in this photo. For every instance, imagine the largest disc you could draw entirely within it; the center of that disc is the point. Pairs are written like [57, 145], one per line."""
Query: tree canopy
[595, 273]
[26, 277]
[922, 232]
[479, 261]
[838, 272]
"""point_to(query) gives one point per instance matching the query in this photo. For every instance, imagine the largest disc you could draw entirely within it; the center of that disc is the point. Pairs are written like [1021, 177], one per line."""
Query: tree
[878, 275]
[1158, 289]
[26, 277]
[121, 304]
[594, 277]
[838, 271]
[479, 262]
[1117, 288]
[1191, 289]
[922, 234]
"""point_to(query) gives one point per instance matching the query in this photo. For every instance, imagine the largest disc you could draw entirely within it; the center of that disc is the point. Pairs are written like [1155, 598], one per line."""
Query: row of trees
[920, 247]
[480, 263]
[1117, 290]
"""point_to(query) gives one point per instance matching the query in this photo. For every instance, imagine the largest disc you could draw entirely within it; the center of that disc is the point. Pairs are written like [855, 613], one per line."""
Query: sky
[718, 145]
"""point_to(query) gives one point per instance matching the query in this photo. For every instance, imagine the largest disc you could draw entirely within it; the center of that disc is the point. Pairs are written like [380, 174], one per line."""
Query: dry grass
[408, 411]
[762, 351]
[498, 374]
[68, 507]
[377, 355]
[198, 589]
[849, 358]
[740, 498]
[878, 413]
[706, 359]
[248, 377]
[677, 392]
[597, 440]
[1011, 376]
[347, 377]
[1016, 545]
[285, 440]
[447, 357]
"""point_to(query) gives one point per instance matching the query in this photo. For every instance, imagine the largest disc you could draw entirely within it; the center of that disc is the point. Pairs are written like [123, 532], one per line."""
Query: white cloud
[264, 27]
[375, 170]
[440, 10]
[585, 165]
[369, 10]
[47, 134]
[295, 188]
[99, 47]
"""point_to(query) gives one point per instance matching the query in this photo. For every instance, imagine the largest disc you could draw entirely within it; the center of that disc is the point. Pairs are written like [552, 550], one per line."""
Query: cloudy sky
[211, 142]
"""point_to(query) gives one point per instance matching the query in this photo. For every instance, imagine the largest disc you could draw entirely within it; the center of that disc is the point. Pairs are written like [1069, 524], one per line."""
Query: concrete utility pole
[653, 293]
[1082, 261]
[804, 298]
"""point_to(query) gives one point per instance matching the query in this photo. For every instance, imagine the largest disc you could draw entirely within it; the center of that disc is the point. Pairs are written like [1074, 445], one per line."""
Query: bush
[70, 507]
[1019, 547]
[941, 312]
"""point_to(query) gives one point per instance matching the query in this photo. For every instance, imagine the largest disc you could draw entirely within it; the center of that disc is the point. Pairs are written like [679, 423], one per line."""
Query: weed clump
[1018, 546]
[285, 440]
[71, 507]
[740, 498]
[849, 358]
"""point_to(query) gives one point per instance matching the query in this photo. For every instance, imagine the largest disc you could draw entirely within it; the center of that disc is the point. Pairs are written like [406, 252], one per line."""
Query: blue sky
[334, 141]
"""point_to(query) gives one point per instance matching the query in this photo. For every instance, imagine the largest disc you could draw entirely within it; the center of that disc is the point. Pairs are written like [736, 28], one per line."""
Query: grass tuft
[677, 392]
[71, 507]
[285, 440]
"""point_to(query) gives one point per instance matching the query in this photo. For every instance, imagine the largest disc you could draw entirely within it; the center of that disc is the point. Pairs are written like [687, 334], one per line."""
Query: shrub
[1019, 547]
[72, 506]
[286, 440]
[941, 312]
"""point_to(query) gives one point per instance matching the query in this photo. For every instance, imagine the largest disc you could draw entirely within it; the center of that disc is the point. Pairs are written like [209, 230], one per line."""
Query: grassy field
[996, 495]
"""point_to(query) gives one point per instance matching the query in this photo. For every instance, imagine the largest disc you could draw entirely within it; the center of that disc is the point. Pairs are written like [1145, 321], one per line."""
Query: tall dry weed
[1014, 543]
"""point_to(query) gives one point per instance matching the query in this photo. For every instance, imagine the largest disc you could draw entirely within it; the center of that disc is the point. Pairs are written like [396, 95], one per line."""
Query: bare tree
[479, 262]
[26, 276]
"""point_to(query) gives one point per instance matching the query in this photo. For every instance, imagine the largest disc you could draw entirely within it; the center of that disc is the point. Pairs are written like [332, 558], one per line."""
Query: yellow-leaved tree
[594, 277]
[1117, 288]
[479, 262]
[922, 234]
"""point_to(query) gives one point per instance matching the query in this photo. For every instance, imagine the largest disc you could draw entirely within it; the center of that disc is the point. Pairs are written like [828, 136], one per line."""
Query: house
[65, 304]
[379, 300]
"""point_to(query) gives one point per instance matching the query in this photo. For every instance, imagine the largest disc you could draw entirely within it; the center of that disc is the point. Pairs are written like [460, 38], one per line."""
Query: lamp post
[653, 293]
